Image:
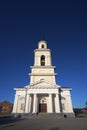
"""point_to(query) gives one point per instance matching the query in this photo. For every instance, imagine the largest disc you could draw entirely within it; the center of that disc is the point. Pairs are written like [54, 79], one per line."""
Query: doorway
[43, 108]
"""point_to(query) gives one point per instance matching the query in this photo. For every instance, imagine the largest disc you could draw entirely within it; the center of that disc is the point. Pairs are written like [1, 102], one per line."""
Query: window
[42, 46]
[22, 106]
[7, 107]
[42, 79]
[42, 60]
[3, 107]
[63, 106]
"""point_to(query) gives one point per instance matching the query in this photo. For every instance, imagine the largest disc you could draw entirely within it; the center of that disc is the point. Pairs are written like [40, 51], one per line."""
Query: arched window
[42, 60]
[42, 46]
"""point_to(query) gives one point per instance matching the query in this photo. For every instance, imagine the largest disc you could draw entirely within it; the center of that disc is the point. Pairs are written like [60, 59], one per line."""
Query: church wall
[41, 52]
[47, 55]
[20, 102]
[66, 101]
[20, 92]
[42, 70]
[37, 61]
[50, 79]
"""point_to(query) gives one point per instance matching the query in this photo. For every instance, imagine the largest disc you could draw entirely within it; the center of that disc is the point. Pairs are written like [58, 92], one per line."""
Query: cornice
[42, 50]
[45, 74]
[42, 67]
[66, 88]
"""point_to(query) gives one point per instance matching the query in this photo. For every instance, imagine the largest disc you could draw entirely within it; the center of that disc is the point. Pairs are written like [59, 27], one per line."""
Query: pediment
[42, 84]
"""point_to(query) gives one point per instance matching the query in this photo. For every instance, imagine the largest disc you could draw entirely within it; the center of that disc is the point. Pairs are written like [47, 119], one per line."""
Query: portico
[34, 99]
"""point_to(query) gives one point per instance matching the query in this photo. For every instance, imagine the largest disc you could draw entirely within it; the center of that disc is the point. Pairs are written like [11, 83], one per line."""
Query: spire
[42, 39]
[42, 44]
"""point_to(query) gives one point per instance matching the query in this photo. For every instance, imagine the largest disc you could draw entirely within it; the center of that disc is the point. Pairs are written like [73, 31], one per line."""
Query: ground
[44, 124]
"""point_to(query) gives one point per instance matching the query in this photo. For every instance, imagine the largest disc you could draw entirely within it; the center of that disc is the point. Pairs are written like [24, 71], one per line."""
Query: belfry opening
[42, 60]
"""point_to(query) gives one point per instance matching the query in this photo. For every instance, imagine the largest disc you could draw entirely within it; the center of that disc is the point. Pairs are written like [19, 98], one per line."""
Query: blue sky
[64, 24]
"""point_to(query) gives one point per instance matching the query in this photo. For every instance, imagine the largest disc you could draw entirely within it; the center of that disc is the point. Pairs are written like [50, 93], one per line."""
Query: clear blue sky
[64, 24]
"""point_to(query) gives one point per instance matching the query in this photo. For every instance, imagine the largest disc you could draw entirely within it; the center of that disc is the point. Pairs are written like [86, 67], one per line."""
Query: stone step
[45, 116]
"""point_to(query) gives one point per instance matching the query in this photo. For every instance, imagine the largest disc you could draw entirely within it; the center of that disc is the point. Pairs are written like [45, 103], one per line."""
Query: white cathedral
[43, 95]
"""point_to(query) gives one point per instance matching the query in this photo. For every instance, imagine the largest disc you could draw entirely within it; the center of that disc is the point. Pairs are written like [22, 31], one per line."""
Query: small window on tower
[42, 60]
[42, 46]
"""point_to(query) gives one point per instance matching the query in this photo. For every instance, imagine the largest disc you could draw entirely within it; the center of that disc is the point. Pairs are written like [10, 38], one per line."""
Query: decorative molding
[42, 67]
[41, 74]
[42, 50]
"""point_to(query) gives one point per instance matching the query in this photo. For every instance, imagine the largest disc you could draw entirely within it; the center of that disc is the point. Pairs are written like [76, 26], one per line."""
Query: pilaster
[15, 104]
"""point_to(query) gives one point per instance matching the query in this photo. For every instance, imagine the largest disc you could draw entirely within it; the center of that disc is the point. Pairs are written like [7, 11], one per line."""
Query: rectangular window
[22, 106]
[3, 107]
[7, 107]
[63, 106]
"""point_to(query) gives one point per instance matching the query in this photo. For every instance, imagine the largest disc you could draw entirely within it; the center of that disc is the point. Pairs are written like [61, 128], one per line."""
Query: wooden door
[43, 108]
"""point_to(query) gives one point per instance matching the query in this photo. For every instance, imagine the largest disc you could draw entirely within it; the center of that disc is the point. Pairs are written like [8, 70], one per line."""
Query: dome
[42, 45]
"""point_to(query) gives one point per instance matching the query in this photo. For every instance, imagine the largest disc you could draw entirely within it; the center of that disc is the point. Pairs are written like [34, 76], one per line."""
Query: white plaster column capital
[15, 104]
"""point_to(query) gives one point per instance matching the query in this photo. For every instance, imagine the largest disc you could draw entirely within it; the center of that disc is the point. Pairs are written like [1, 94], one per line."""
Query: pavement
[37, 123]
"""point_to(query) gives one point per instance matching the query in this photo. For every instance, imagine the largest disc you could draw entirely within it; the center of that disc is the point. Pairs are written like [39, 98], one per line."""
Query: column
[30, 104]
[15, 104]
[50, 104]
[35, 104]
[57, 104]
[27, 103]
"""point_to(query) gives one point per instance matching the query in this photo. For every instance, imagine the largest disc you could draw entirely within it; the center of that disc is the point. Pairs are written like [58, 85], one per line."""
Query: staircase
[45, 116]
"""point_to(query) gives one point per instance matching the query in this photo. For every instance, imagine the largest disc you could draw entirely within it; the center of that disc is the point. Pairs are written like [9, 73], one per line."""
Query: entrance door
[43, 108]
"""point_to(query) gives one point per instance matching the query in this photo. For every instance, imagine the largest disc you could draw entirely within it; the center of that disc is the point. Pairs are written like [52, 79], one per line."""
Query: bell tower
[42, 69]
[42, 55]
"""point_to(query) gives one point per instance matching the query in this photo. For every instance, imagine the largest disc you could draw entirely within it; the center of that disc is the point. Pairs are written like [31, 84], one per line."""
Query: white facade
[42, 94]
